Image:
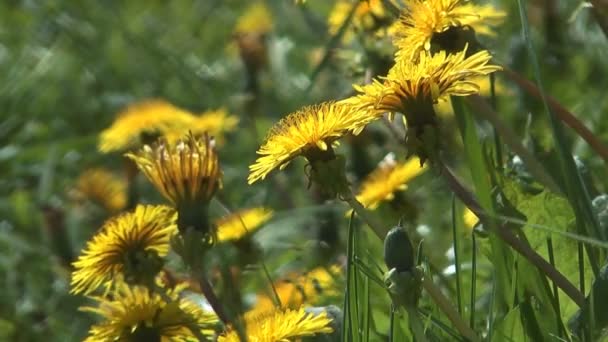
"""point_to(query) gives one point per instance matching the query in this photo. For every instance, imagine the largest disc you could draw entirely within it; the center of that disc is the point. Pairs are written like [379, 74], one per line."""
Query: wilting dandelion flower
[425, 20]
[390, 176]
[137, 314]
[281, 325]
[129, 247]
[310, 132]
[241, 223]
[187, 173]
[102, 187]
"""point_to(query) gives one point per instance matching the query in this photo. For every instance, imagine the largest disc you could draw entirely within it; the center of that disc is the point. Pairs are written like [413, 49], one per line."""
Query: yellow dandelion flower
[237, 225]
[104, 188]
[281, 325]
[188, 174]
[136, 314]
[309, 130]
[299, 289]
[423, 19]
[143, 121]
[470, 219]
[187, 171]
[387, 179]
[368, 15]
[257, 18]
[129, 246]
[414, 87]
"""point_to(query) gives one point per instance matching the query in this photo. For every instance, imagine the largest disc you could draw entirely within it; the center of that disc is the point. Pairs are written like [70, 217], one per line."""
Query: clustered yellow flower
[125, 256]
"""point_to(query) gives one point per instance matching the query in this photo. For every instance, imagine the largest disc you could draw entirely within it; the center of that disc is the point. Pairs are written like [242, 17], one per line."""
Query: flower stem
[430, 288]
[415, 324]
[512, 240]
[212, 298]
[364, 214]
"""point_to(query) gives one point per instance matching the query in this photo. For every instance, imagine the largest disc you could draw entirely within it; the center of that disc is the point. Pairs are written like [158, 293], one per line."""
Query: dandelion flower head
[390, 176]
[129, 246]
[415, 87]
[137, 314]
[242, 223]
[281, 325]
[102, 187]
[421, 20]
[143, 121]
[185, 172]
[308, 130]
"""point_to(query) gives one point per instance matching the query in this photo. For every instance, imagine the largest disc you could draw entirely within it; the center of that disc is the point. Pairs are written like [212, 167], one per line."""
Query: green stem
[212, 298]
[415, 324]
[364, 214]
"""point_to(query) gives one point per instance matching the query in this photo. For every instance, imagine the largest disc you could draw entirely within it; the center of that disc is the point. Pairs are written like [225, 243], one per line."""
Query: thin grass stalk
[456, 256]
[474, 281]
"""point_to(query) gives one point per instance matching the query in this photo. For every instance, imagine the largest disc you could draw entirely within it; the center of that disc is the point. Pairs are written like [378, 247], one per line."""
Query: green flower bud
[398, 250]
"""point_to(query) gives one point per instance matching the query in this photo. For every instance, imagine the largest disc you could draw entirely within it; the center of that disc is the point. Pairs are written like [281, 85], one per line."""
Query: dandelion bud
[398, 250]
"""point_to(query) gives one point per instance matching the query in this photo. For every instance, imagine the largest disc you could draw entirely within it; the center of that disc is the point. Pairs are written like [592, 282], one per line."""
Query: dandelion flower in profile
[423, 21]
[187, 173]
[137, 314]
[281, 325]
[241, 223]
[129, 247]
[390, 176]
[308, 132]
[143, 122]
[413, 88]
[102, 187]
